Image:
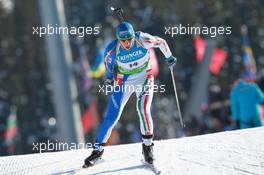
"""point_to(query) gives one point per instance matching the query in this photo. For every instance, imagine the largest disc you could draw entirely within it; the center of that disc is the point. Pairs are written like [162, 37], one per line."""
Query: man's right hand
[108, 83]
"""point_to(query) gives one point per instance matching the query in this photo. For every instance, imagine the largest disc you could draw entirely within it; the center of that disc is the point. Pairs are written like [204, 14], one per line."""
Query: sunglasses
[126, 40]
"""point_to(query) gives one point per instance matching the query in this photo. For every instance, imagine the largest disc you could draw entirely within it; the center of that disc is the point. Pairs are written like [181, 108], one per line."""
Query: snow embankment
[238, 152]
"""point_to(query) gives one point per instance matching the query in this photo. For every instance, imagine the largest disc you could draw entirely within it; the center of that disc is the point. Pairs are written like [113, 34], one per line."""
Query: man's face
[127, 43]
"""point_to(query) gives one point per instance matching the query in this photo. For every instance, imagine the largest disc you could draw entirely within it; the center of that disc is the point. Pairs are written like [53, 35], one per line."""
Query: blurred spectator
[245, 104]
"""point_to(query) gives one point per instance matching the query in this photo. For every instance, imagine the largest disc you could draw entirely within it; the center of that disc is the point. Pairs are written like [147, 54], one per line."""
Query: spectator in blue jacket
[246, 98]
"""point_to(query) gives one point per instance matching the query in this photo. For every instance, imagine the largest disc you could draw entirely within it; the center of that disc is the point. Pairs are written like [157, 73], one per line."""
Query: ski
[152, 167]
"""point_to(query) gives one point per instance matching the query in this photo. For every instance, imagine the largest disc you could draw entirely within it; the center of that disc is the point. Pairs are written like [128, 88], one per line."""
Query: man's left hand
[171, 61]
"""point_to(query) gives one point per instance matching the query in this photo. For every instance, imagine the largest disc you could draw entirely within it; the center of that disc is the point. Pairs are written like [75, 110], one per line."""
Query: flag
[11, 133]
[217, 61]
[84, 65]
[200, 47]
[98, 69]
[90, 117]
[154, 62]
[247, 57]
[218, 57]
[86, 79]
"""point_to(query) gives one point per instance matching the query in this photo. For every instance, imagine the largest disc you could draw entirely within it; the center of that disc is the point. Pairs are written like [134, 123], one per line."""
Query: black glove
[171, 61]
[108, 83]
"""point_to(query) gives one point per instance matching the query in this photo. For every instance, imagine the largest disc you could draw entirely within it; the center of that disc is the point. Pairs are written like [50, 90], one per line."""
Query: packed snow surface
[239, 152]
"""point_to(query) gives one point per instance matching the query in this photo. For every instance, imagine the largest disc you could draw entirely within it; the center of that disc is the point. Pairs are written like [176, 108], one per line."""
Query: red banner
[154, 62]
[90, 117]
[217, 61]
[200, 47]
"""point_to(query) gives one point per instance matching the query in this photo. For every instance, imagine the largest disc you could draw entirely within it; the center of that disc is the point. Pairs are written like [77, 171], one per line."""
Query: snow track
[238, 152]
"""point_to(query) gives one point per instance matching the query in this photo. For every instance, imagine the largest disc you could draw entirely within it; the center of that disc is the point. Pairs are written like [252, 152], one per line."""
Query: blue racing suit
[134, 72]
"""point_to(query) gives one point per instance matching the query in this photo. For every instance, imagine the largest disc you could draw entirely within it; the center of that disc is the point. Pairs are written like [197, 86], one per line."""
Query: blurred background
[49, 85]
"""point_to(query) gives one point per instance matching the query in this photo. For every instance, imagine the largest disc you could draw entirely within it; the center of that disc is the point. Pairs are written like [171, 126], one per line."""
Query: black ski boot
[148, 153]
[93, 158]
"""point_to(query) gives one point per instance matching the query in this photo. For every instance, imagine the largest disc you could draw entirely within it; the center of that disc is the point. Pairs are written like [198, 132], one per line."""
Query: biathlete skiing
[130, 53]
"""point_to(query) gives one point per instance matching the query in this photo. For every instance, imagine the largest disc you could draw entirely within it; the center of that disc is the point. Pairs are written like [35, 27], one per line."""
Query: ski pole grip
[118, 13]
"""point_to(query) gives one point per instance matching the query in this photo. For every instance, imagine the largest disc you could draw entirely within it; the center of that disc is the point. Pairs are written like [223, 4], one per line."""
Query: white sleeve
[149, 41]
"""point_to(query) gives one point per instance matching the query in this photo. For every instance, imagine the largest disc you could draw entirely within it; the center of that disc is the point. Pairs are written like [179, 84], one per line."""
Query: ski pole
[176, 97]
